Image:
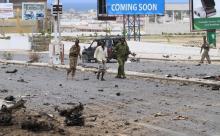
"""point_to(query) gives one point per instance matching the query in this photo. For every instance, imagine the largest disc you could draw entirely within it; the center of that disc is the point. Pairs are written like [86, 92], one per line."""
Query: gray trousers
[205, 54]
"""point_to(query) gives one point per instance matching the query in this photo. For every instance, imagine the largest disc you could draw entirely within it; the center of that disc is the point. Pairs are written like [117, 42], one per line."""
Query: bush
[34, 57]
[8, 56]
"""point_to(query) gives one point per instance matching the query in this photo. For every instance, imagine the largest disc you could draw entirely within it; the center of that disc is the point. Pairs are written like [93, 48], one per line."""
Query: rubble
[180, 118]
[118, 94]
[10, 98]
[35, 125]
[73, 116]
[3, 91]
[12, 71]
[22, 81]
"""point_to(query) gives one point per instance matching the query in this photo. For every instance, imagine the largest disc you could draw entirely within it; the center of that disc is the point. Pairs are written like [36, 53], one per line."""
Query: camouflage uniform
[122, 51]
[205, 53]
[73, 57]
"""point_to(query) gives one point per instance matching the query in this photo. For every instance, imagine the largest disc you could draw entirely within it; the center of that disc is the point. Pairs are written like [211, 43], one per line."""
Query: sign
[135, 7]
[33, 11]
[6, 10]
[57, 9]
[211, 37]
[205, 14]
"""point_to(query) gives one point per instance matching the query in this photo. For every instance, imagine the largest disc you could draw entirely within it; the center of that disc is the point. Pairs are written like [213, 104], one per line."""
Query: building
[17, 25]
[175, 20]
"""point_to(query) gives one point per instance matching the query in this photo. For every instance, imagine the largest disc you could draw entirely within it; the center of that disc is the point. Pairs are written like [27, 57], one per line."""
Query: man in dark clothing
[122, 51]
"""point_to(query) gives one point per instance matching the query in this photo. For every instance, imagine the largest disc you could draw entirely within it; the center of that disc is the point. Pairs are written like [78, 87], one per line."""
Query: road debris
[4, 91]
[73, 116]
[216, 88]
[35, 125]
[10, 98]
[216, 78]
[159, 114]
[22, 81]
[12, 71]
[118, 94]
[169, 75]
[5, 116]
[180, 117]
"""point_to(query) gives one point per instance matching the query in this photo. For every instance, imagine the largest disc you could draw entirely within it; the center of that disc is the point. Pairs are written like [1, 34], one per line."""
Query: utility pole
[56, 48]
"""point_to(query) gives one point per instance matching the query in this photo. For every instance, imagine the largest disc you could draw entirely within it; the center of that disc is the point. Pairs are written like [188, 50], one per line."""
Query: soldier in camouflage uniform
[122, 51]
[73, 57]
[205, 53]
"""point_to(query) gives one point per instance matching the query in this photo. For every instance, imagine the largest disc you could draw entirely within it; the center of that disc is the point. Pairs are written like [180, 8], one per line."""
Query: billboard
[135, 7]
[205, 14]
[33, 11]
[6, 10]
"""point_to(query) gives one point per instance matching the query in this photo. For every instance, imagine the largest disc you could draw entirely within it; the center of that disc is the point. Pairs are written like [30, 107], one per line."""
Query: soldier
[100, 55]
[122, 51]
[73, 57]
[205, 53]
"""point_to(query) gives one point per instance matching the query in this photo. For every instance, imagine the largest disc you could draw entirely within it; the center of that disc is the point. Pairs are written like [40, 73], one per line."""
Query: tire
[85, 58]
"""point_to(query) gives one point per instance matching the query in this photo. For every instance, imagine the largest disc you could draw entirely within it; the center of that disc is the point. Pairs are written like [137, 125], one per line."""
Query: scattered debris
[135, 60]
[159, 114]
[4, 91]
[216, 78]
[127, 123]
[118, 94]
[46, 104]
[101, 90]
[198, 65]
[73, 116]
[86, 79]
[180, 118]
[32, 124]
[60, 85]
[5, 116]
[169, 75]
[12, 71]
[3, 67]
[116, 86]
[166, 56]
[216, 88]
[22, 81]
[10, 98]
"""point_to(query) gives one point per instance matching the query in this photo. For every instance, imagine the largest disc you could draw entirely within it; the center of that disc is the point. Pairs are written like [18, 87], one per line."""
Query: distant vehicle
[110, 42]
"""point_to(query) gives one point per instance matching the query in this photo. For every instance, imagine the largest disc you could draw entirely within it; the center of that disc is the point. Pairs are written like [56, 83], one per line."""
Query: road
[130, 107]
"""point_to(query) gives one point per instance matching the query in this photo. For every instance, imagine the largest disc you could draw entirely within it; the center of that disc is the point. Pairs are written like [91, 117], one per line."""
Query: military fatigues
[205, 53]
[73, 57]
[122, 51]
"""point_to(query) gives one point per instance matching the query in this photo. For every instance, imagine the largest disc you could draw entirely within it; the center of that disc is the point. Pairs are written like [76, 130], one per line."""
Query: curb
[112, 71]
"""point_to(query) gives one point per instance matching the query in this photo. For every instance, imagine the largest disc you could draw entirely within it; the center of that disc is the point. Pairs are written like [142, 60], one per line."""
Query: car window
[108, 43]
[94, 44]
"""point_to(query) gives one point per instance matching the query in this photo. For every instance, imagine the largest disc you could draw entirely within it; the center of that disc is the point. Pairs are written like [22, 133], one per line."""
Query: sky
[91, 4]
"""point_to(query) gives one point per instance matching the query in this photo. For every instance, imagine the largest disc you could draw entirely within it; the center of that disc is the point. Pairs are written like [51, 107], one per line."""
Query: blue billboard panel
[135, 7]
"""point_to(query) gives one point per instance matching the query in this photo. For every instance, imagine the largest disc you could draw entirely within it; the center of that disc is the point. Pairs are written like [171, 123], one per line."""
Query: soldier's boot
[208, 59]
[73, 73]
[98, 75]
[102, 78]
[67, 73]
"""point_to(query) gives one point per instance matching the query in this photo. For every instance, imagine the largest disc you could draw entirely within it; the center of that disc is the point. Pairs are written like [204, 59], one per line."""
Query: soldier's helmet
[77, 41]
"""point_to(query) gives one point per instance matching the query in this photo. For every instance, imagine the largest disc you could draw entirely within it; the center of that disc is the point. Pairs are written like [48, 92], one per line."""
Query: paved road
[132, 113]
[177, 68]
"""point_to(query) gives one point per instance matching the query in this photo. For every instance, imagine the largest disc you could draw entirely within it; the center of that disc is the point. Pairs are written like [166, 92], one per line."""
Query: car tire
[85, 58]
